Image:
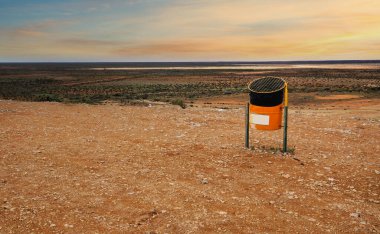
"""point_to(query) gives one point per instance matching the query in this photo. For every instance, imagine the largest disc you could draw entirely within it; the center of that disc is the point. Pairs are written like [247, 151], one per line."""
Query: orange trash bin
[266, 103]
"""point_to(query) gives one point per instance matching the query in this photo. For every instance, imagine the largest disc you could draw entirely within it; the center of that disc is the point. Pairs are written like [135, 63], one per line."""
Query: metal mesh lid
[266, 85]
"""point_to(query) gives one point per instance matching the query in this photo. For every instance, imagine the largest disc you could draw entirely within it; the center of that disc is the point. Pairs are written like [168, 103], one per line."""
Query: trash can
[266, 98]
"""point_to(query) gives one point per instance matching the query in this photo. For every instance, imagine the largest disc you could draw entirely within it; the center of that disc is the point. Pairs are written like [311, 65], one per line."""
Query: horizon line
[214, 61]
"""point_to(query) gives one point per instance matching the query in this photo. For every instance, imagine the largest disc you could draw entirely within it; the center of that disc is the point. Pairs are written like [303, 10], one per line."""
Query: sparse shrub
[45, 97]
[179, 102]
[291, 150]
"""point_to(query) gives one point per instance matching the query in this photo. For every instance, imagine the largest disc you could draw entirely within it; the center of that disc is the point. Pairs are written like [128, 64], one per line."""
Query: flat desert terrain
[113, 168]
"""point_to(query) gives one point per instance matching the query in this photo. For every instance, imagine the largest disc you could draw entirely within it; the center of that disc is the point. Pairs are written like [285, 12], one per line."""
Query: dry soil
[81, 168]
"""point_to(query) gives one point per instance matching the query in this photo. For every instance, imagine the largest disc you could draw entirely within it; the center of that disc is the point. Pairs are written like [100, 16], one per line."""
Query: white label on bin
[260, 119]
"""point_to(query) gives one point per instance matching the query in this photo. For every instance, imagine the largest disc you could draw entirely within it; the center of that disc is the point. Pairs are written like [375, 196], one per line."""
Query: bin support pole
[247, 126]
[285, 140]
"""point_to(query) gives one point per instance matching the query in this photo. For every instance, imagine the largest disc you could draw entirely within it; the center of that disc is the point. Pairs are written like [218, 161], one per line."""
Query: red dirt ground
[161, 169]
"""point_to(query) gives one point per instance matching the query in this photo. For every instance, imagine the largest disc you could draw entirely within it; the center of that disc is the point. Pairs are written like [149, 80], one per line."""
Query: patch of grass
[137, 103]
[46, 97]
[179, 102]
[274, 150]
[291, 150]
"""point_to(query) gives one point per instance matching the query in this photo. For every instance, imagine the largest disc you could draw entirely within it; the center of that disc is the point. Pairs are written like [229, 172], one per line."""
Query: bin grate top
[267, 85]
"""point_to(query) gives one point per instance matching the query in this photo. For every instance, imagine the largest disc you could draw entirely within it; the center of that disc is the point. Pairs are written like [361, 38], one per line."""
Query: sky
[188, 30]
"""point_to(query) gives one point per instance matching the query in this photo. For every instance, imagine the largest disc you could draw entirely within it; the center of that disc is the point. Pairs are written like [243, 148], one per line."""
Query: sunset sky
[199, 30]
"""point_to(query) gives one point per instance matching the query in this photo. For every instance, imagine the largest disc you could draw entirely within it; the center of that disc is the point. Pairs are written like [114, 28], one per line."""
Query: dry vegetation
[75, 83]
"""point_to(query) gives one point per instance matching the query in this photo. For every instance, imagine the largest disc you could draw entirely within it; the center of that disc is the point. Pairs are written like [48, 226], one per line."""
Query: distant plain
[165, 82]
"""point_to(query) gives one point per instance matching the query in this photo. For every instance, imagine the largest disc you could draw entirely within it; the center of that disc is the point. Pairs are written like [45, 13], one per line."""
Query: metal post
[285, 142]
[247, 126]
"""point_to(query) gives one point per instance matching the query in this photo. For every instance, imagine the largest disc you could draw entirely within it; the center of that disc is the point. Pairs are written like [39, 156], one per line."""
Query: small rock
[271, 202]
[204, 181]
[374, 201]
[222, 212]
[355, 215]
[377, 172]
[269, 162]
[68, 225]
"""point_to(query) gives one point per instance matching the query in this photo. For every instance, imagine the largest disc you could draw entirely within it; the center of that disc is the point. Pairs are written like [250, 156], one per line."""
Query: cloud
[78, 42]
[36, 29]
[165, 48]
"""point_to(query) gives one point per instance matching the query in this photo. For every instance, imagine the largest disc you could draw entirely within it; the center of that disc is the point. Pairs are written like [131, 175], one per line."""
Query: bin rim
[285, 84]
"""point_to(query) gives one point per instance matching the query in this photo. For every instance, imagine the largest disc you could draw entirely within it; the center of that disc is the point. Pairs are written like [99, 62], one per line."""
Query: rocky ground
[77, 168]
